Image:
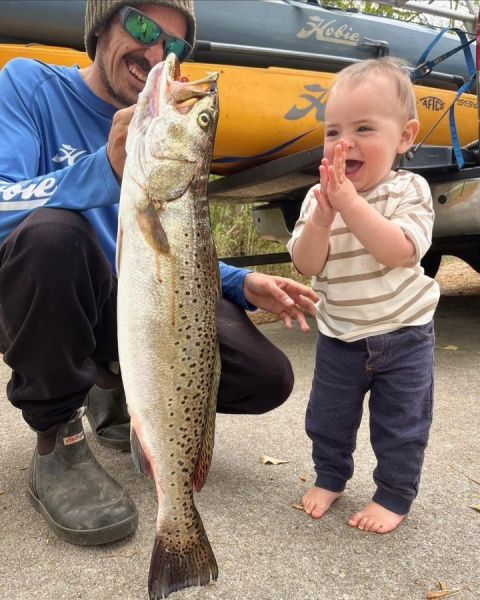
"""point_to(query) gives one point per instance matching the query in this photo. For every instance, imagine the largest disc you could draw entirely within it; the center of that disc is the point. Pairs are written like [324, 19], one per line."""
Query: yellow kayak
[267, 113]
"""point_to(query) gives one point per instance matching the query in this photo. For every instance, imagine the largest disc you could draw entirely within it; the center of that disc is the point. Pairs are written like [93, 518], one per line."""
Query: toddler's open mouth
[352, 166]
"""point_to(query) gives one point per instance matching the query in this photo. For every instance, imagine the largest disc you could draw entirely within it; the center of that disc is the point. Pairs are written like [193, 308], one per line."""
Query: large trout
[167, 293]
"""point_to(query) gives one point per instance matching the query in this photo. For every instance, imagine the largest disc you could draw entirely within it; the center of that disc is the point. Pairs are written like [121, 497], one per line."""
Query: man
[62, 154]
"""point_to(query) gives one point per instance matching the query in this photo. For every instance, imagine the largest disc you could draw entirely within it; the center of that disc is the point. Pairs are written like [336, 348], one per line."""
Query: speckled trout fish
[167, 293]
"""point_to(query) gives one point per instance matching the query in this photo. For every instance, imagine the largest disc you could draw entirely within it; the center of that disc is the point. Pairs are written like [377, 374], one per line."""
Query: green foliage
[403, 14]
[375, 8]
[235, 235]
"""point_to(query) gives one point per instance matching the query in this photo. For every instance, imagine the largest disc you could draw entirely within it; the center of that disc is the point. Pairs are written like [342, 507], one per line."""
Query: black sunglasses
[147, 32]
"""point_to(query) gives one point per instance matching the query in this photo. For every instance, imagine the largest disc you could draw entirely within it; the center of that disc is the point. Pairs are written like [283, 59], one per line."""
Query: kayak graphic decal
[233, 159]
[329, 31]
[316, 102]
[468, 102]
[432, 103]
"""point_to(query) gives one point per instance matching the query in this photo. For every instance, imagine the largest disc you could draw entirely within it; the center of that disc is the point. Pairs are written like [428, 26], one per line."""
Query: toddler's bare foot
[376, 518]
[317, 501]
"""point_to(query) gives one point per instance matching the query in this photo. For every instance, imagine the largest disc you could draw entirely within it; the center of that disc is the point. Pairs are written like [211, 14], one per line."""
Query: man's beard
[116, 95]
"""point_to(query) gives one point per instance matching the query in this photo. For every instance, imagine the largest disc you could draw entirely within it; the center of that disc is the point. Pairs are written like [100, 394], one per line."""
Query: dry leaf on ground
[298, 507]
[268, 460]
[450, 347]
[444, 592]
[476, 507]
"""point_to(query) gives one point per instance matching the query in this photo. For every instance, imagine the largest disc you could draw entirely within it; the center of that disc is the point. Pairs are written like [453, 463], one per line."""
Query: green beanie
[99, 12]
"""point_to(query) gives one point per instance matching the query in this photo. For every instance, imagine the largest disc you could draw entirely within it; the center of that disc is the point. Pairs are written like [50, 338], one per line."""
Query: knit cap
[99, 12]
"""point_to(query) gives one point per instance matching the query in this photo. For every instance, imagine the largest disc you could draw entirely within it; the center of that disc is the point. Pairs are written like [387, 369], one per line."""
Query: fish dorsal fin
[205, 455]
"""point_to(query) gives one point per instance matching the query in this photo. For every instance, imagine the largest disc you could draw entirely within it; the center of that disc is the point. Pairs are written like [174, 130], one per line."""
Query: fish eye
[204, 119]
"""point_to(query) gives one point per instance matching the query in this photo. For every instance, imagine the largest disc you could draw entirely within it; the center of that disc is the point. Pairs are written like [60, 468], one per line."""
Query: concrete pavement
[267, 550]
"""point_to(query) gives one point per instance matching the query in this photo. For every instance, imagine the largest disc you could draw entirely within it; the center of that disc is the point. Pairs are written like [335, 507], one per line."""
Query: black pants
[58, 318]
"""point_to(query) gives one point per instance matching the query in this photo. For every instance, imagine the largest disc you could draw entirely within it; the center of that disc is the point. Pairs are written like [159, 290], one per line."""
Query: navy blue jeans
[397, 369]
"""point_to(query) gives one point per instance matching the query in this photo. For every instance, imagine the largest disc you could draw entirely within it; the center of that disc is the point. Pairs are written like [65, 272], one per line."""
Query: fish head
[171, 135]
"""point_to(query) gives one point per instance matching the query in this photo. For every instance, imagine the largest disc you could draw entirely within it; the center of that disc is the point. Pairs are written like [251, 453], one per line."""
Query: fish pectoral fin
[205, 455]
[140, 459]
[152, 230]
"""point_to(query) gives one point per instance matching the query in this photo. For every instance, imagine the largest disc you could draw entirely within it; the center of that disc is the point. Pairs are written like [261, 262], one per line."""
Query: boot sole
[90, 537]
[123, 445]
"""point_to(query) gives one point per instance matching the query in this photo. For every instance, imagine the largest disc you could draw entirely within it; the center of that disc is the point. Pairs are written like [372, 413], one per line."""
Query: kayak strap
[424, 67]
[451, 118]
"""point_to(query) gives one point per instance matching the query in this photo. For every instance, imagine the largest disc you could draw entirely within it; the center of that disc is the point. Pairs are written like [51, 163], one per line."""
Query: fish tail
[171, 571]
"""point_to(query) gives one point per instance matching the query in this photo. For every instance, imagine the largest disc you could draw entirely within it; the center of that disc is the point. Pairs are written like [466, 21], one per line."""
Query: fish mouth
[184, 94]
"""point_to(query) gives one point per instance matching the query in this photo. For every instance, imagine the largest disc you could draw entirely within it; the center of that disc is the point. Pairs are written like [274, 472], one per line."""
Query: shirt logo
[26, 195]
[68, 153]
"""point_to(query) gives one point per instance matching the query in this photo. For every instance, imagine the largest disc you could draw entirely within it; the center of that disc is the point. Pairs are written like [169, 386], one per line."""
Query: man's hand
[280, 296]
[116, 140]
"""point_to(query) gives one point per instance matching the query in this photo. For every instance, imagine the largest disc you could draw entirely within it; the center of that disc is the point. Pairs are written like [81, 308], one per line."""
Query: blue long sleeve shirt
[53, 153]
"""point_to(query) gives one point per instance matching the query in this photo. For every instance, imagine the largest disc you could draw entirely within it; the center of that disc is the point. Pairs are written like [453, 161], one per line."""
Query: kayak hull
[269, 113]
[290, 34]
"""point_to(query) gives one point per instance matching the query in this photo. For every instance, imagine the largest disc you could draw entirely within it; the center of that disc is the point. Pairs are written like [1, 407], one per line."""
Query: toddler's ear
[409, 133]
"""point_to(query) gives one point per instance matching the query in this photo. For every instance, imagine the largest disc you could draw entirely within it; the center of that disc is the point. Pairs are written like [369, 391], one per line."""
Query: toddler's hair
[396, 70]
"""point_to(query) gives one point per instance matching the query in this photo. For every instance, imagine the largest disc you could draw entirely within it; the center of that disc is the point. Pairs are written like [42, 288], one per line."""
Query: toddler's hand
[340, 189]
[324, 213]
